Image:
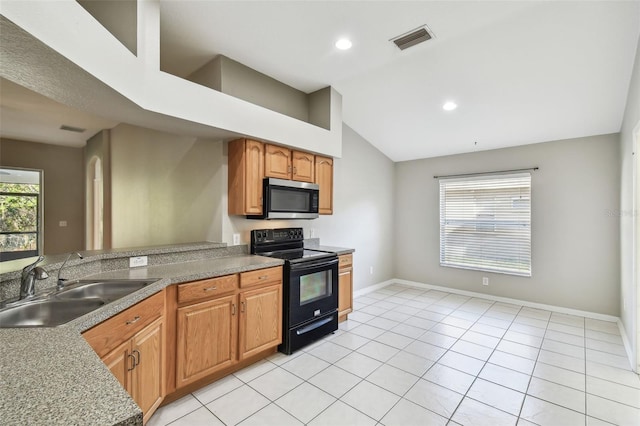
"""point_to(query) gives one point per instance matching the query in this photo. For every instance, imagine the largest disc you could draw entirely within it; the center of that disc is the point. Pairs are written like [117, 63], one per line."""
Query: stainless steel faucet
[60, 282]
[30, 274]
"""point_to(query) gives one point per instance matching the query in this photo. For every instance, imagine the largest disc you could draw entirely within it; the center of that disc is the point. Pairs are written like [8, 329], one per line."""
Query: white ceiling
[521, 72]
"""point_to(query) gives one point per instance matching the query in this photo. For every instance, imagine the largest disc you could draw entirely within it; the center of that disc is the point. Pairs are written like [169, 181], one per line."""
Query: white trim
[627, 344]
[372, 288]
[552, 308]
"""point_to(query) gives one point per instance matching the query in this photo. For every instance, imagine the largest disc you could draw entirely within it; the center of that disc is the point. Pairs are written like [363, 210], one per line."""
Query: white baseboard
[552, 308]
[372, 288]
[627, 346]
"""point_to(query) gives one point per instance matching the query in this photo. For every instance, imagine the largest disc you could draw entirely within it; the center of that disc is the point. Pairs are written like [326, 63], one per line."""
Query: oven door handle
[321, 263]
[313, 326]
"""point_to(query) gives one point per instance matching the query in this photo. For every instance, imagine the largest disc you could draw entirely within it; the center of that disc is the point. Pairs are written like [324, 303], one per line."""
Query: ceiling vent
[72, 129]
[417, 36]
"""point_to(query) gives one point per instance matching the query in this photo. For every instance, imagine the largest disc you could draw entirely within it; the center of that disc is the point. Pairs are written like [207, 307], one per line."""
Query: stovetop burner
[298, 255]
[284, 243]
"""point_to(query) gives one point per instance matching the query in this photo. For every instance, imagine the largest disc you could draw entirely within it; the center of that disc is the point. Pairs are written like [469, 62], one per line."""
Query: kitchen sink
[61, 306]
[47, 312]
[107, 290]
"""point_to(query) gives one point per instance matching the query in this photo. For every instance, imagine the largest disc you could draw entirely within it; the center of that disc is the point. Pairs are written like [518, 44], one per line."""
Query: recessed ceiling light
[344, 44]
[449, 106]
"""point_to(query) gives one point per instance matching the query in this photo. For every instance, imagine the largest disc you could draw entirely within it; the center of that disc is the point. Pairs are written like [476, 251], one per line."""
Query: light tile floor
[409, 356]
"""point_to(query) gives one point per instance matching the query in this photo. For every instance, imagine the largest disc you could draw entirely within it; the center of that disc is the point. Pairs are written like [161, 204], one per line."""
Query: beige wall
[575, 228]
[120, 18]
[163, 188]
[63, 189]
[629, 296]
[235, 79]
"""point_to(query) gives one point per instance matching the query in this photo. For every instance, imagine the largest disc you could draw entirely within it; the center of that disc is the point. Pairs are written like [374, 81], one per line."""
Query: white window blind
[485, 223]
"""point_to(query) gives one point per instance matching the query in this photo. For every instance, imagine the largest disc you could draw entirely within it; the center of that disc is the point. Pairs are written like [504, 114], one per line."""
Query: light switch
[62, 223]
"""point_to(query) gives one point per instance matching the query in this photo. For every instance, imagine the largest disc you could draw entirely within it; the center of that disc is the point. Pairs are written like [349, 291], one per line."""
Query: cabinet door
[254, 173]
[277, 162]
[206, 341]
[303, 166]
[120, 362]
[345, 292]
[260, 320]
[147, 378]
[324, 178]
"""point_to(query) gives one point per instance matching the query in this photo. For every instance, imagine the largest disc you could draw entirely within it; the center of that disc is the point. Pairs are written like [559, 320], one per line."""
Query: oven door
[313, 289]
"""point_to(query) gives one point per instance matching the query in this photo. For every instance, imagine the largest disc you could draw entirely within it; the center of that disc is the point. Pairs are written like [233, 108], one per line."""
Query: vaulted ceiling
[520, 71]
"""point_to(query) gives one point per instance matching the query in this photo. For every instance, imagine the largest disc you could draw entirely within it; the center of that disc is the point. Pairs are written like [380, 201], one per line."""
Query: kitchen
[380, 197]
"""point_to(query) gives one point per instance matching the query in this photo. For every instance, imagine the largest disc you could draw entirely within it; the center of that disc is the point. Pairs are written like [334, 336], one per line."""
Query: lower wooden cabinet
[345, 286]
[206, 338]
[260, 320]
[132, 346]
[223, 329]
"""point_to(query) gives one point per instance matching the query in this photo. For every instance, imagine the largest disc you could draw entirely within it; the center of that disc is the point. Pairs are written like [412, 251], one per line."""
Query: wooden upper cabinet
[246, 171]
[251, 161]
[303, 166]
[324, 178]
[277, 162]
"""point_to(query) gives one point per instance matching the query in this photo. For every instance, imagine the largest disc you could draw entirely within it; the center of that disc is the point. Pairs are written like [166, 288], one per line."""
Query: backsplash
[95, 262]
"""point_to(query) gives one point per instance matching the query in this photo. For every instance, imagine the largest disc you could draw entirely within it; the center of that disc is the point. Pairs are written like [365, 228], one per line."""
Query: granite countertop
[314, 245]
[52, 375]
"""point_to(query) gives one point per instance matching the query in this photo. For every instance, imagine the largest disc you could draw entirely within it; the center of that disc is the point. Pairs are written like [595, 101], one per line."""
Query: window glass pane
[485, 223]
[18, 242]
[18, 213]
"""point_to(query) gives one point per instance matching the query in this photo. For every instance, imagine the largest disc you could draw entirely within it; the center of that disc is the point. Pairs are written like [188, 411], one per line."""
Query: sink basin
[107, 290]
[47, 312]
[73, 301]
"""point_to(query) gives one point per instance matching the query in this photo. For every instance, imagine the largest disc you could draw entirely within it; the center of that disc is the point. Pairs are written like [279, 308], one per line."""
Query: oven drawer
[198, 290]
[345, 260]
[261, 276]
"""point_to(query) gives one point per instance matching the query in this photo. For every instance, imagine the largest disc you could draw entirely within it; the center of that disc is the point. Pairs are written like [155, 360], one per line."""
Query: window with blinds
[485, 223]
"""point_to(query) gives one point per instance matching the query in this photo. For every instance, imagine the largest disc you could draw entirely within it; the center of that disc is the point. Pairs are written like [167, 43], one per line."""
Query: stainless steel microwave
[288, 199]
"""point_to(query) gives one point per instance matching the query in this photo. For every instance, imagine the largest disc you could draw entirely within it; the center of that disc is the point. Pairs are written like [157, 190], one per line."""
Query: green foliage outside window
[18, 217]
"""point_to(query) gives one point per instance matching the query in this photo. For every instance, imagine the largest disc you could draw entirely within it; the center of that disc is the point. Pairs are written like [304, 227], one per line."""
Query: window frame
[492, 221]
[6, 256]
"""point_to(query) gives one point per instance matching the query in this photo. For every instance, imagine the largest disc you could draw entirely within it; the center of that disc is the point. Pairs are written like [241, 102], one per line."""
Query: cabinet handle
[241, 306]
[289, 169]
[133, 364]
[136, 361]
[295, 170]
[210, 288]
[263, 277]
[134, 320]
[233, 309]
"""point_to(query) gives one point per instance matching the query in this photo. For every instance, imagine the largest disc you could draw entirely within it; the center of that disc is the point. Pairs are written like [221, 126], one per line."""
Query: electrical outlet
[137, 261]
[62, 223]
[485, 280]
[312, 233]
[371, 270]
[236, 239]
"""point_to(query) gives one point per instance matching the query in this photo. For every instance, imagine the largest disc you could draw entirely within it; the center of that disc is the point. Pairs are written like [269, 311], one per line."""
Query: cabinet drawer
[261, 276]
[110, 333]
[345, 260]
[205, 289]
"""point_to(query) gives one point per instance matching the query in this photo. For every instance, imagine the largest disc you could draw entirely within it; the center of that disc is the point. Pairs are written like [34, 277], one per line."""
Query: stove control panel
[261, 236]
